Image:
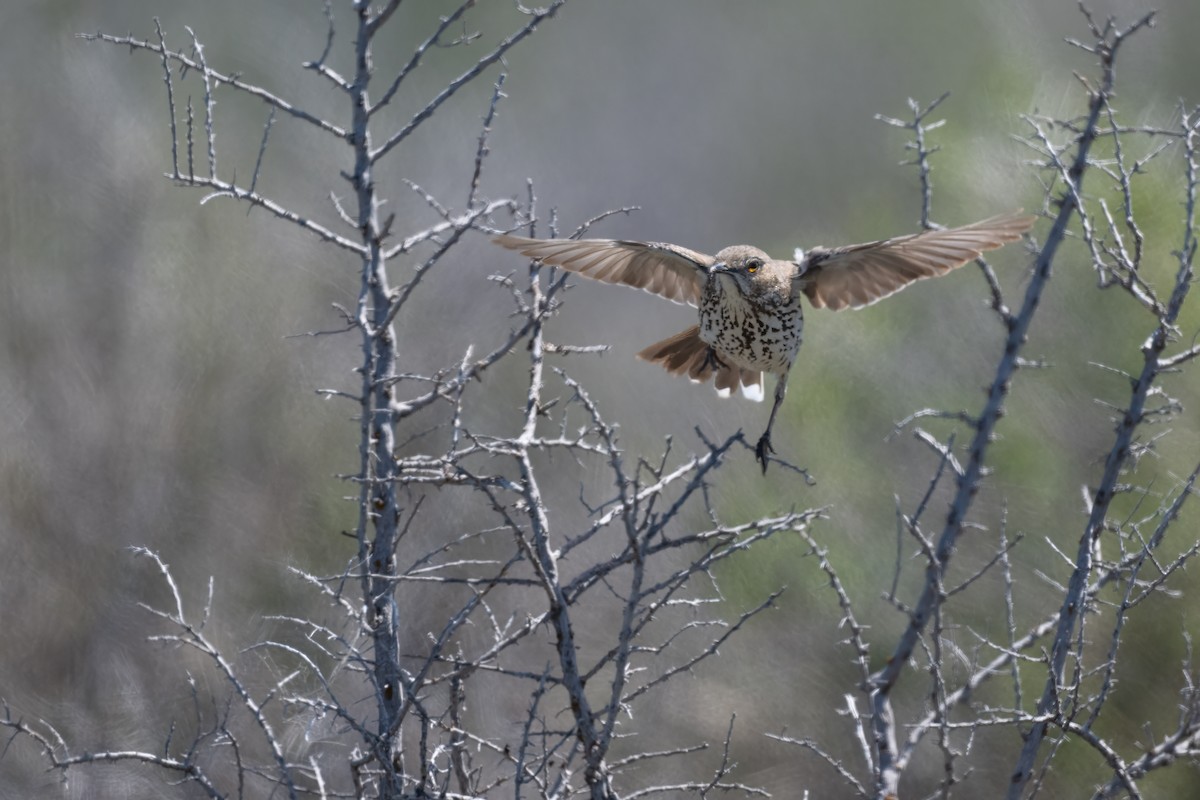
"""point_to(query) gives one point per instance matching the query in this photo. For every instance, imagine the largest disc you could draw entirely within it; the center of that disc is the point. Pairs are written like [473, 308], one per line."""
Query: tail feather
[752, 386]
[686, 353]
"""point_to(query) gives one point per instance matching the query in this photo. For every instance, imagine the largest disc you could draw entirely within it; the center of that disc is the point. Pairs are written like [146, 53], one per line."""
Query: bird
[751, 318]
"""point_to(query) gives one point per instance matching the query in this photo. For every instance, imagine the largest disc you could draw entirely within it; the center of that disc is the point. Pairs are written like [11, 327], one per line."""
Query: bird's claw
[762, 449]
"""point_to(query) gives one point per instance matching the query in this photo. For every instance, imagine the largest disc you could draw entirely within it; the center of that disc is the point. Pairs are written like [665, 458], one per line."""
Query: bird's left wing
[860, 274]
[667, 270]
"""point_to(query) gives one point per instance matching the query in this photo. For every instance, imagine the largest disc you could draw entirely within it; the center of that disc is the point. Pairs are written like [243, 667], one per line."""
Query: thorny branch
[454, 622]
[1077, 690]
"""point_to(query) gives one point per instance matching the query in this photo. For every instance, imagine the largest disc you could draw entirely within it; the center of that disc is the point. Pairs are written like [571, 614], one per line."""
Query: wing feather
[667, 270]
[861, 274]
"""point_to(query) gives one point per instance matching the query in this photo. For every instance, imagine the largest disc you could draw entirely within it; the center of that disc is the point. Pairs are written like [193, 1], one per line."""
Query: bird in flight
[751, 320]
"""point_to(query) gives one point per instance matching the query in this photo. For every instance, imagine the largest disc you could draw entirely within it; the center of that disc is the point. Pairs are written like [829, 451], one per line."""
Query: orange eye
[752, 265]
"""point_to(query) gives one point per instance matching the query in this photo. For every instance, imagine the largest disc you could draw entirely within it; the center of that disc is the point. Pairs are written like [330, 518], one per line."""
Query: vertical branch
[262, 150]
[191, 140]
[482, 151]
[546, 560]
[921, 159]
[1074, 604]
[969, 482]
[378, 501]
[210, 132]
[166, 65]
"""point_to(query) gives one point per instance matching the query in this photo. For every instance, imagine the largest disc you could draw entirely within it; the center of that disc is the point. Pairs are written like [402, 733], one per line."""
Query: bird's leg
[764, 442]
[713, 361]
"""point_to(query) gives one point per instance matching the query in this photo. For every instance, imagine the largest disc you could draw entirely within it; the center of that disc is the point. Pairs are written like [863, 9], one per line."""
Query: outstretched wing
[860, 274]
[668, 270]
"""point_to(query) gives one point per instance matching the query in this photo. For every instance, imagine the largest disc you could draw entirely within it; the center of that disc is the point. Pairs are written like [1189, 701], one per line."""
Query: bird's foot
[762, 449]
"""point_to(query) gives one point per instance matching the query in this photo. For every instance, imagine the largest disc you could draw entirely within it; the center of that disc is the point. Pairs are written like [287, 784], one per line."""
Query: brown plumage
[751, 320]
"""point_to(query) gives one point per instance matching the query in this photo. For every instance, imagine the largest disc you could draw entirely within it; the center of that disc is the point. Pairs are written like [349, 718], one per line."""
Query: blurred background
[150, 395]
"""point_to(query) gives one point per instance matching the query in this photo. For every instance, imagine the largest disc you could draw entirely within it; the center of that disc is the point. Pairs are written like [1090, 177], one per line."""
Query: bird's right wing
[667, 270]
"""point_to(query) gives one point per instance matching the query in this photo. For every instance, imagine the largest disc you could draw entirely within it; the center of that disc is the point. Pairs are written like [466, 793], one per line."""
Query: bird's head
[750, 269]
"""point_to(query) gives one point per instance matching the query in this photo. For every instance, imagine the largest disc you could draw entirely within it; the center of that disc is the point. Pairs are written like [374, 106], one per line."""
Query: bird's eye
[752, 265]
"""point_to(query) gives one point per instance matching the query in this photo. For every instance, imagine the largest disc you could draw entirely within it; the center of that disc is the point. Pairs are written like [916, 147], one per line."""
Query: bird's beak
[718, 268]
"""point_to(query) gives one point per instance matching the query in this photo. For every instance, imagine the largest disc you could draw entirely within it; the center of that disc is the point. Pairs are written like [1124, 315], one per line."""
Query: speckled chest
[760, 333]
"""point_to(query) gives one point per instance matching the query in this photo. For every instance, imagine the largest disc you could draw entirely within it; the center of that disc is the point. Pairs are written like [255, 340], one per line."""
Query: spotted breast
[750, 311]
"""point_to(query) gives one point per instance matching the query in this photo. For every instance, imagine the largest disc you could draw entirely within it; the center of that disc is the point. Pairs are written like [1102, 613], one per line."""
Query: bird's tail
[686, 353]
